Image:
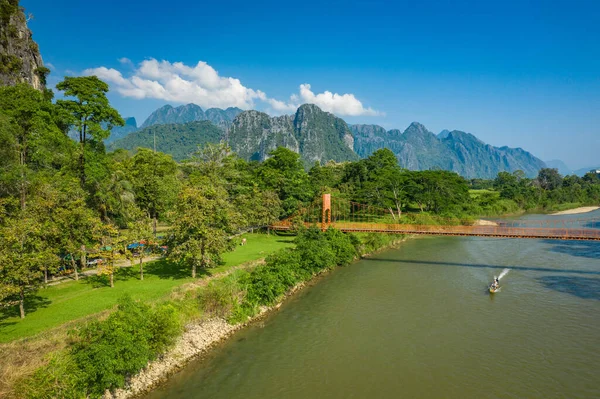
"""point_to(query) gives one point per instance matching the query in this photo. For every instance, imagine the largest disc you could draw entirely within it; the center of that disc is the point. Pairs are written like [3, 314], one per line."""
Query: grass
[69, 301]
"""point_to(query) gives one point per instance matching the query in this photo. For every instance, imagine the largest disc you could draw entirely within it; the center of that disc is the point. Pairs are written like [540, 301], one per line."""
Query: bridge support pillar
[326, 217]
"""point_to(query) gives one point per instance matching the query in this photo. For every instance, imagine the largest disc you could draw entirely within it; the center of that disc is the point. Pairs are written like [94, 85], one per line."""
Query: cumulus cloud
[179, 83]
[125, 61]
[339, 104]
[201, 84]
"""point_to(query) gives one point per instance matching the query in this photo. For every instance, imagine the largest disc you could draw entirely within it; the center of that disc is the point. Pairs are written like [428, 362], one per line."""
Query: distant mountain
[581, 172]
[190, 113]
[316, 135]
[118, 132]
[179, 140]
[443, 134]
[418, 149]
[560, 165]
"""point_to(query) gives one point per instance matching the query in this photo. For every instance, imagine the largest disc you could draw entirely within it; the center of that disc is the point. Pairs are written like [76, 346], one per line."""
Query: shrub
[108, 352]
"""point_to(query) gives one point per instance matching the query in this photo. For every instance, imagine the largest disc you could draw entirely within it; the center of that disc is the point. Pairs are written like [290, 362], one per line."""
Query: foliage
[177, 140]
[204, 220]
[88, 114]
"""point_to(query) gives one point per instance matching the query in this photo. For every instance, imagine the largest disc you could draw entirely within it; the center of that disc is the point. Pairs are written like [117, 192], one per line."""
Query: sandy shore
[583, 209]
[482, 222]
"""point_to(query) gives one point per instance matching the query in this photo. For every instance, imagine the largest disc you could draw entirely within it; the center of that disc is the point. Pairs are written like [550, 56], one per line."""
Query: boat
[493, 289]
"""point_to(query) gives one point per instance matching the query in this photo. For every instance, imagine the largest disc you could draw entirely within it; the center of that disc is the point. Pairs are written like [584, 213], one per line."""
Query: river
[418, 322]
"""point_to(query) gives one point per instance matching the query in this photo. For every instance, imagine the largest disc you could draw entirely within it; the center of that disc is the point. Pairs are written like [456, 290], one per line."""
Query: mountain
[581, 172]
[20, 59]
[118, 132]
[190, 113]
[443, 134]
[419, 149]
[316, 135]
[179, 140]
[560, 165]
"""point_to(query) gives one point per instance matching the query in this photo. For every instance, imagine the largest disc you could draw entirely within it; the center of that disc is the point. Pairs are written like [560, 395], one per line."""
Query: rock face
[20, 59]
[191, 113]
[418, 149]
[317, 135]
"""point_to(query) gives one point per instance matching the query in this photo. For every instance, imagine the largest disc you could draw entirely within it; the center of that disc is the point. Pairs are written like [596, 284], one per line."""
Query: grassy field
[68, 301]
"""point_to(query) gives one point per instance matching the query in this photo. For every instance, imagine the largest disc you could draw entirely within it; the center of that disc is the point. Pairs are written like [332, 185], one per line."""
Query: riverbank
[199, 337]
[576, 211]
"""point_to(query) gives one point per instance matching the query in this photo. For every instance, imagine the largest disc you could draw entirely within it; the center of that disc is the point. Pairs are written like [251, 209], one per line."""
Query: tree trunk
[154, 222]
[82, 139]
[392, 212]
[112, 281]
[45, 274]
[74, 264]
[83, 257]
[142, 267]
[194, 269]
[22, 302]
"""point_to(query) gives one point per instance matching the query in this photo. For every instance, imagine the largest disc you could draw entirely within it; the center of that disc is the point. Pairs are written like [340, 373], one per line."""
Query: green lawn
[72, 300]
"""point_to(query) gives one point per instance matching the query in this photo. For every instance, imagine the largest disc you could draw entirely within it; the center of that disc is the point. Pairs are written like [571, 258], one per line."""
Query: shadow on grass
[32, 304]
[161, 268]
[167, 270]
[581, 287]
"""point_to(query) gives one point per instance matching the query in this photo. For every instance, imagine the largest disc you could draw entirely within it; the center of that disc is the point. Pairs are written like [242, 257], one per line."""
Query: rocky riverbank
[197, 340]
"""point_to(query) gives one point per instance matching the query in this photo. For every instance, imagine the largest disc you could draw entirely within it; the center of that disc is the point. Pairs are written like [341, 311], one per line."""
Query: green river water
[418, 322]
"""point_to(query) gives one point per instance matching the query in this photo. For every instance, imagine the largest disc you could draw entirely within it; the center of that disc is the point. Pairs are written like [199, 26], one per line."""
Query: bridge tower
[326, 216]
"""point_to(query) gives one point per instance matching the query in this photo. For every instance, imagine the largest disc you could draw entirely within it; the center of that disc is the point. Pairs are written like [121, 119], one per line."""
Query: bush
[108, 352]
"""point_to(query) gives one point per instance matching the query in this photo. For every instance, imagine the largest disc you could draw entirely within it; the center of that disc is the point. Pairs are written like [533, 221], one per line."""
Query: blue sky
[517, 73]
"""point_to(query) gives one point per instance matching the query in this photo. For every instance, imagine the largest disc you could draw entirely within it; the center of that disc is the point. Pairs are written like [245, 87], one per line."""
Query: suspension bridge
[353, 217]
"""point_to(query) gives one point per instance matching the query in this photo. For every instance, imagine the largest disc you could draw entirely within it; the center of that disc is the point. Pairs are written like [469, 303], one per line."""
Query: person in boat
[496, 283]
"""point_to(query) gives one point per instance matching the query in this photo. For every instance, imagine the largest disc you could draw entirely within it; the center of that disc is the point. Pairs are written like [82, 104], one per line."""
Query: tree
[155, 182]
[141, 229]
[549, 179]
[33, 142]
[284, 173]
[204, 219]
[22, 259]
[88, 113]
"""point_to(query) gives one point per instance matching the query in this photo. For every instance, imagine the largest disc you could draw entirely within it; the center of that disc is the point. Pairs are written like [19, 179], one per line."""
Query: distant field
[478, 193]
[73, 300]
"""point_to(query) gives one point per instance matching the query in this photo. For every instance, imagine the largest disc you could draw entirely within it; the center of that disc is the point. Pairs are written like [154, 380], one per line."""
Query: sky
[517, 73]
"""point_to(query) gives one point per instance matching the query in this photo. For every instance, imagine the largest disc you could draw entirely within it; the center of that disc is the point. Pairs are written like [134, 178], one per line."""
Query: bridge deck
[479, 231]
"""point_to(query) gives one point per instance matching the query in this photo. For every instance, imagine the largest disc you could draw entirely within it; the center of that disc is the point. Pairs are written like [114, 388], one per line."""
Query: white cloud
[201, 84]
[50, 66]
[179, 83]
[339, 104]
[125, 61]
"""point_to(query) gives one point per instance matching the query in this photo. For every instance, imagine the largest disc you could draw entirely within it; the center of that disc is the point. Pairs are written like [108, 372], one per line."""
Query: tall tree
[22, 259]
[33, 138]
[155, 182]
[204, 219]
[90, 113]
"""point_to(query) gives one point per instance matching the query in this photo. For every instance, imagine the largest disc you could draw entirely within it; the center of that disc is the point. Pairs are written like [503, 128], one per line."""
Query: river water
[418, 322]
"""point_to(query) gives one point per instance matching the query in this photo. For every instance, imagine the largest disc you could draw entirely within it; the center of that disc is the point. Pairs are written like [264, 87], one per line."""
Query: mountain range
[320, 136]
[191, 113]
[419, 149]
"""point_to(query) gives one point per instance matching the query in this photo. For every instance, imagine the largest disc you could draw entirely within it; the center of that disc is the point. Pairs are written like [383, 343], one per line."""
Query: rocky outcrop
[316, 135]
[20, 59]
